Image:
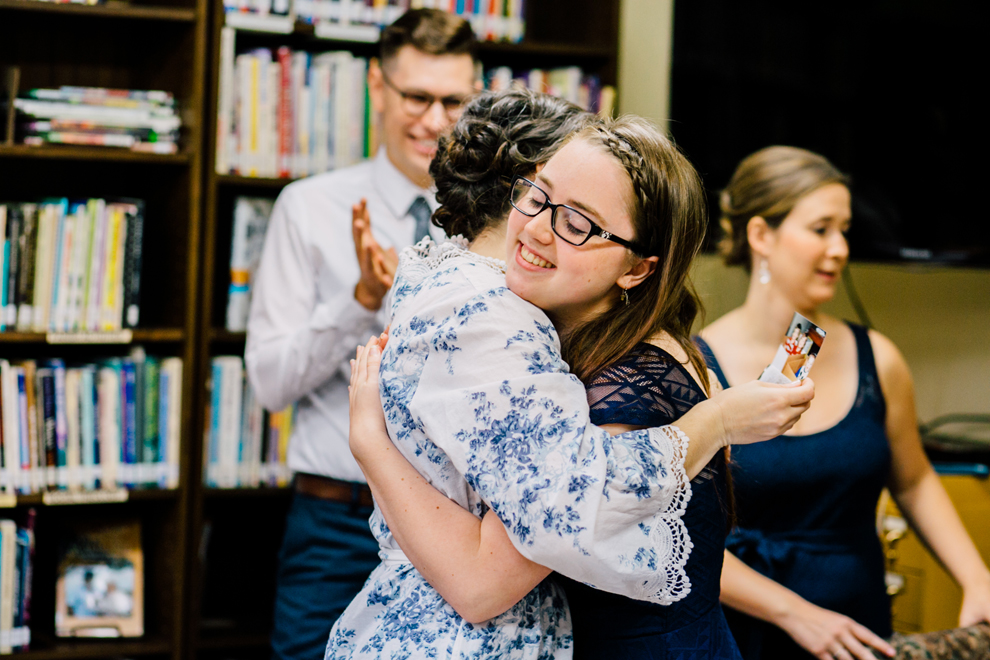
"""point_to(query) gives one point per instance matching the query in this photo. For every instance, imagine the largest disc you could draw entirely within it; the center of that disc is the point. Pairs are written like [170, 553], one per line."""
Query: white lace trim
[669, 535]
[420, 260]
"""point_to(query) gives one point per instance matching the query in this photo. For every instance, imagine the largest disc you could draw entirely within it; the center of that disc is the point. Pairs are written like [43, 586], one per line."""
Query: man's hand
[377, 265]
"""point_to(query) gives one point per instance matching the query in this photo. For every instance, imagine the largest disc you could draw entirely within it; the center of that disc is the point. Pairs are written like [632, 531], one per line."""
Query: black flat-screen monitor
[886, 89]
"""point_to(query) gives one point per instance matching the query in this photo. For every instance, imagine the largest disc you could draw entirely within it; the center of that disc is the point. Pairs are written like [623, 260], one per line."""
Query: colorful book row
[16, 559]
[70, 266]
[571, 83]
[140, 120]
[290, 113]
[251, 215]
[246, 446]
[109, 424]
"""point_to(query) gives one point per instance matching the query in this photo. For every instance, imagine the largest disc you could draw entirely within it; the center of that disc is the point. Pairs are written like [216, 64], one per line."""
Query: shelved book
[290, 113]
[100, 586]
[571, 83]
[71, 265]
[251, 216]
[246, 446]
[16, 563]
[492, 20]
[113, 423]
[140, 120]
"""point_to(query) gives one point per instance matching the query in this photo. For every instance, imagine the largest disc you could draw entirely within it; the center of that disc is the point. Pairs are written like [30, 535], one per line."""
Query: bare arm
[919, 492]
[470, 562]
[821, 632]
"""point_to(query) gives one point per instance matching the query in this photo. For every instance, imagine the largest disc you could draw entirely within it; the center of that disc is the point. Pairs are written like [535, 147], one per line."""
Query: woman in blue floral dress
[478, 399]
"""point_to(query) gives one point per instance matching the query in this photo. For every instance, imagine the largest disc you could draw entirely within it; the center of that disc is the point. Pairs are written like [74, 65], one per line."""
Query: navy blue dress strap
[709, 355]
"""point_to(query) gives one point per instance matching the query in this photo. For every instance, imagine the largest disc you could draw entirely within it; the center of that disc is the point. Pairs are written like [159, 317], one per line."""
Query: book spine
[286, 129]
[4, 266]
[8, 551]
[24, 482]
[149, 436]
[61, 423]
[73, 452]
[14, 229]
[132, 266]
[97, 258]
[47, 380]
[25, 282]
[10, 420]
[225, 104]
[87, 426]
[129, 449]
[109, 410]
[213, 445]
[42, 263]
[31, 438]
[59, 269]
[174, 415]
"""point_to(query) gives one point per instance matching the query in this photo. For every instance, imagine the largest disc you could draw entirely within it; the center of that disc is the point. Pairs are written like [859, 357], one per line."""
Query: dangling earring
[624, 297]
[764, 272]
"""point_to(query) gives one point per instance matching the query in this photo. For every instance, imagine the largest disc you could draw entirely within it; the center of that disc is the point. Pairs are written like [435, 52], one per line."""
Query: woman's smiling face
[573, 283]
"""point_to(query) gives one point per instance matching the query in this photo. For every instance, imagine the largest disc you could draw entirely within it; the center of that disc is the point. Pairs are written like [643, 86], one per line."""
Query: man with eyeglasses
[329, 257]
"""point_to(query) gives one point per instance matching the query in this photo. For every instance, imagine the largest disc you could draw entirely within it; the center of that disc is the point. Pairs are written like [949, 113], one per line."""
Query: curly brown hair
[499, 135]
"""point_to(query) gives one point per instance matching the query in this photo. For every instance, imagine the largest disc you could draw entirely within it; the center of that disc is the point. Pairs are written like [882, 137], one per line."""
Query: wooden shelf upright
[228, 618]
[144, 44]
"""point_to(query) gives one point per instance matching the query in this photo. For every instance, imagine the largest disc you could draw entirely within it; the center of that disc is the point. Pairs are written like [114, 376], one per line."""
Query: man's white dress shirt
[305, 323]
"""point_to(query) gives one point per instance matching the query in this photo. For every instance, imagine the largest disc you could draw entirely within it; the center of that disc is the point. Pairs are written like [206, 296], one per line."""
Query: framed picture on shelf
[100, 587]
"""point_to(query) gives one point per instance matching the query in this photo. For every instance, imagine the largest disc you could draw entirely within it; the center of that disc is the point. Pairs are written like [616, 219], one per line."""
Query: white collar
[395, 188]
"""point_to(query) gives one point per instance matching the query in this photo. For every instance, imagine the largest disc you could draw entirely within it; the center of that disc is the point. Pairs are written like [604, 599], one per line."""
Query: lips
[534, 259]
[427, 147]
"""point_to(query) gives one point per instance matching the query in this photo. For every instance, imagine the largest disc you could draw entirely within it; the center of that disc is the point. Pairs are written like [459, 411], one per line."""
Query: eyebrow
[576, 204]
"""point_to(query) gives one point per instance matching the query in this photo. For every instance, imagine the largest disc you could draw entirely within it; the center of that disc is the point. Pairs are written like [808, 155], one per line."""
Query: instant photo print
[796, 353]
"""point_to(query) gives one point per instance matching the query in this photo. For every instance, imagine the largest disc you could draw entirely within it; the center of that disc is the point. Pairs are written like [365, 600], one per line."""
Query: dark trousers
[326, 557]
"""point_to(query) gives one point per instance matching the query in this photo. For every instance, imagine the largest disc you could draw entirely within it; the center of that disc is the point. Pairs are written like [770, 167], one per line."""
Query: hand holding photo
[796, 353]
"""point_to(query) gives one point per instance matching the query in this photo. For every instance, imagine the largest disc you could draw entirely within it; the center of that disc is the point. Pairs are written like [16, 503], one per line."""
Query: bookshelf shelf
[138, 336]
[92, 153]
[232, 640]
[266, 183]
[87, 650]
[137, 495]
[109, 10]
[219, 336]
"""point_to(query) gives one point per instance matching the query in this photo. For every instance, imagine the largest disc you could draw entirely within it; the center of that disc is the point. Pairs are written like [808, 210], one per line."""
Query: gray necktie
[420, 210]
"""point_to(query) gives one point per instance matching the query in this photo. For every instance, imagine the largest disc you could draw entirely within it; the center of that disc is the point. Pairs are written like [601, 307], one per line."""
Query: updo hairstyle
[498, 136]
[768, 184]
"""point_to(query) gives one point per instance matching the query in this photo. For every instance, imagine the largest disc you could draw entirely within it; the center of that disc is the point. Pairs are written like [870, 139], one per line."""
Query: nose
[539, 226]
[839, 247]
[435, 118]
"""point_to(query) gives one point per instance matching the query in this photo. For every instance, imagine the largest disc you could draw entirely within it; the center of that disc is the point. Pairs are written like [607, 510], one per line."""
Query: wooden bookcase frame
[147, 44]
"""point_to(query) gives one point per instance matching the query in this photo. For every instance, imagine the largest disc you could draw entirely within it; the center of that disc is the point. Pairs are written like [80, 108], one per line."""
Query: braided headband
[631, 161]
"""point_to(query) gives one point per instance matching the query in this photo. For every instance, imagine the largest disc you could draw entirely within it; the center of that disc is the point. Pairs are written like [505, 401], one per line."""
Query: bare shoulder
[724, 329]
[892, 368]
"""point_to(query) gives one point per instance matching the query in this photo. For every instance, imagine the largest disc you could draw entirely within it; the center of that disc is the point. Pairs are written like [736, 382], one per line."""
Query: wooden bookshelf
[137, 45]
[558, 33]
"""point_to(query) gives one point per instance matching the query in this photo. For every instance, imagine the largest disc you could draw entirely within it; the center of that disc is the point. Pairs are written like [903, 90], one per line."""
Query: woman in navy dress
[804, 571]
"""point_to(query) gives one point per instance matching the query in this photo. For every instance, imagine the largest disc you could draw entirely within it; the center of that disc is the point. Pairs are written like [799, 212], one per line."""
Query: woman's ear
[639, 272]
[760, 236]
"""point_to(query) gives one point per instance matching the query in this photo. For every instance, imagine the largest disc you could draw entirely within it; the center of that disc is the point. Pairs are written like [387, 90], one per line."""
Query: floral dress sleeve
[495, 396]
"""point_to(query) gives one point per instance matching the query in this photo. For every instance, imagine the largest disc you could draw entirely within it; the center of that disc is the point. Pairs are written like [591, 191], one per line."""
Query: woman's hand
[757, 411]
[367, 418]
[975, 605]
[828, 635]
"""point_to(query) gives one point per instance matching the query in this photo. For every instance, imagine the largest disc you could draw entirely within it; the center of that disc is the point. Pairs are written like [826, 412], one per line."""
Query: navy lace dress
[805, 509]
[648, 387]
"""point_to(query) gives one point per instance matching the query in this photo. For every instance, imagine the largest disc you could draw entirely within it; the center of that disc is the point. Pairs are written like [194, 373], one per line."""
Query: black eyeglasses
[416, 104]
[576, 228]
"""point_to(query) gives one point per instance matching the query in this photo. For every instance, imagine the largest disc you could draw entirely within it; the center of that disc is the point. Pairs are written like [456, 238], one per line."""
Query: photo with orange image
[796, 353]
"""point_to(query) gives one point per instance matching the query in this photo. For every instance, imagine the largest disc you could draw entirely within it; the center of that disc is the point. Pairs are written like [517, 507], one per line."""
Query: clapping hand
[377, 265]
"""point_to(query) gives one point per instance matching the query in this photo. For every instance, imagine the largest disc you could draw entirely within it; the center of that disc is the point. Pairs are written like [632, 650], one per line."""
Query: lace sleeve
[647, 387]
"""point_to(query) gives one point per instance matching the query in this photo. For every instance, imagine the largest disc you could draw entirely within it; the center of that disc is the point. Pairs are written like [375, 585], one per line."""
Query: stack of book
[133, 119]
[492, 20]
[109, 424]
[290, 113]
[16, 560]
[246, 446]
[571, 83]
[71, 266]
[251, 216]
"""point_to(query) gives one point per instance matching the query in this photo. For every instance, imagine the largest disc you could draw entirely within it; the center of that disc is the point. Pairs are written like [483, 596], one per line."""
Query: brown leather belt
[335, 490]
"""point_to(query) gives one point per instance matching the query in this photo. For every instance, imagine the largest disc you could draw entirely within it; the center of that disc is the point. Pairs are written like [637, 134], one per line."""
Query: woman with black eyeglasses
[500, 474]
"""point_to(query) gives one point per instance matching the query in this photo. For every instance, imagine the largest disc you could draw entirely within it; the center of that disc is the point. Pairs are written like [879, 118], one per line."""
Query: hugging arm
[495, 396]
[470, 562]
